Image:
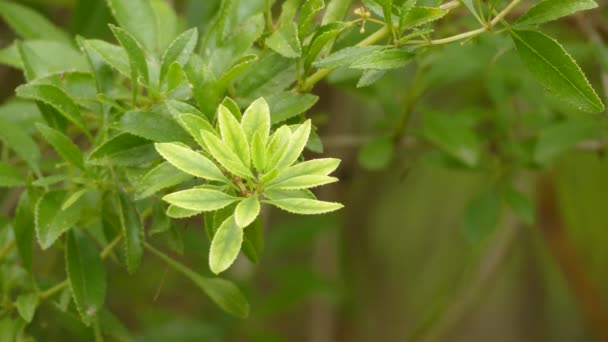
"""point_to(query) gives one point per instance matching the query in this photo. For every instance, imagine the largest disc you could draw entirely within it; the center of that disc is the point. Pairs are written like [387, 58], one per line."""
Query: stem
[110, 247]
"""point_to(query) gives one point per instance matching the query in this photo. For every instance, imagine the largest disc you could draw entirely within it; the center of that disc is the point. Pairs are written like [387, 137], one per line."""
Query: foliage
[147, 129]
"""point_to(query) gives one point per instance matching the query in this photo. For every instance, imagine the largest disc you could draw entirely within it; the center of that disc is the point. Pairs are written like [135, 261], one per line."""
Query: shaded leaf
[63, 145]
[29, 24]
[26, 306]
[453, 135]
[163, 176]
[481, 216]
[51, 221]
[153, 126]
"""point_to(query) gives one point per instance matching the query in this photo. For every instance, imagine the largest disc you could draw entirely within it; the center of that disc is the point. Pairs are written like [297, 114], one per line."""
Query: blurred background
[397, 264]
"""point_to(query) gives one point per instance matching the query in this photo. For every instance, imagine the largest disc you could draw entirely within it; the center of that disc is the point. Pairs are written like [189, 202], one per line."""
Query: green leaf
[390, 58]
[309, 10]
[558, 138]
[521, 205]
[305, 206]
[421, 15]
[322, 37]
[253, 241]
[276, 194]
[113, 55]
[257, 119]
[302, 182]
[277, 147]
[73, 198]
[124, 149]
[471, 7]
[51, 221]
[190, 162]
[137, 18]
[481, 216]
[233, 107]
[286, 105]
[298, 141]
[224, 155]
[163, 176]
[314, 167]
[133, 231]
[549, 10]
[179, 51]
[29, 24]
[258, 152]
[168, 24]
[137, 58]
[555, 69]
[370, 77]
[10, 176]
[387, 11]
[26, 306]
[247, 211]
[236, 69]
[377, 154]
[55, 98]
[194, 124]
[63, 145]
[153, 126]
[24, 229]
[41, 58]
[233, 135]
[285, 41]
[223, 292]
[180, 213]
[225, 246]
[86, 275]
[453, 135]
[200, 199]
[15, 138]
[347, 56]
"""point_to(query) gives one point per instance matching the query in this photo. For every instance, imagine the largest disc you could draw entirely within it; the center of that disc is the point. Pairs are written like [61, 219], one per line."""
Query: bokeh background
[395, 264]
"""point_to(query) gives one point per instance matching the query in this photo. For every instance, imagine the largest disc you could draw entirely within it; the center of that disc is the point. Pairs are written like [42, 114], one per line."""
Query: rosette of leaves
[243, 165]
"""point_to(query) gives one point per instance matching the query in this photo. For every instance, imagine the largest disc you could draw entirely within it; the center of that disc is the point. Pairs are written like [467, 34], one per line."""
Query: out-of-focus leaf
[15, 138]
[309, 10]
[29, 24]
[113, 55]
[179, 51]
[453, 135]
[555, 70]
[10, 176]
[41, 58]
[51, 221]
[26, 306]
[135, 53]
[322, 37]
[377, 154]
[558, 138]
[63, 145]
[370, 77]
[549, 10]
[481, 216]
[136, 17]
[391, 58]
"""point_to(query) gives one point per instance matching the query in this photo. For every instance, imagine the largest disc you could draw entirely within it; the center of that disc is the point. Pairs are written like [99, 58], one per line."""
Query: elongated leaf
[51, 221]
[309, 10]
[29, 24]
[223, 292]
[190, 162]
[346, 56]
[26, 306]
[233, 135]
[286, 105]
[555, 69]
[233, 107]
[285, 41]
[236, 69]
[253, 241]
[113, 55]
[481, 216]
[10, 176]
[225, 246]
[559, 138]
[63, 145]
[194, 124]
[124, 149]
[55, 98]
[258, 152]
[277, 147]
[377, 154]
[305, 206]
[521, 205]
[137, 18]
[200, 199]
[86, 276]
[137, 58]
[153, 126]
[391, 58]
[421, 15]
[163, 176]
[24, 229]
[247, 211]
[298, 141]
[370, 77]
[224, 155]
[471, 7]
[179, 213]
[453, 135]
[322, 37]
[317, 167]
[15, 138]
[549, 10]
[276, 194]
[133, 231]
[179, 51]
[257, 119]
[302, 182]
[41, 58]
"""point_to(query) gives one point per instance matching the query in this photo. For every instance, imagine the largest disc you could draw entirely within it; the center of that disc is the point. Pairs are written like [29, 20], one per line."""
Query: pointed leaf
[549, 10]
[153, 126]
[555, 69]
[113, 55]
[257, 119]
[86, 275]
[322, 37]
[277, 147]
[471, 7]
[285, 41]
[233, 135]
[309, 10]
[26, 306]
[63, 145]
[51, 221]
[346, 56]
[200, 199]
[29, 24]
[305, 206]
[224, 155]
[225, 246]
[481, 216]
[258, 152]
[421, 15]
[247, 211]
[163, 176]
[180, 213]
[24, 229]
[318, 167]
[391, 58]
[133, 231]
[137, 18]
[179, 51]
[194, 124]
[298, 141]
[286, 105]
[190, 162]
[453, 135]
[137, 58]
[18, 140]
[302, 182]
